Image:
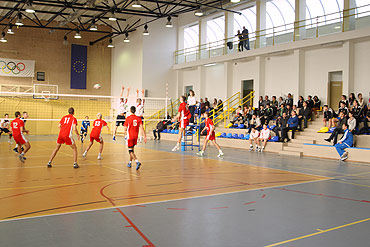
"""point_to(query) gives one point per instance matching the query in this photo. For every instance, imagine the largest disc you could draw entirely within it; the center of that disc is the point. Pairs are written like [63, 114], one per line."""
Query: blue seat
[241, 136]
[274, 139]
[241, 126]
[235, 136]
[271, 127]
[331, 130]
[246, 137]
[172, 131]
[223, 135]
[176, 131]
[229, 135]
[164, 131]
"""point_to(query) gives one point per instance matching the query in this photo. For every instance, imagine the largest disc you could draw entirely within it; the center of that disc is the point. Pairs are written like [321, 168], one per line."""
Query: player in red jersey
[67, 125]
[211, 136]
[95, 135]
[17, 130]
[183, 116]
[132, 127]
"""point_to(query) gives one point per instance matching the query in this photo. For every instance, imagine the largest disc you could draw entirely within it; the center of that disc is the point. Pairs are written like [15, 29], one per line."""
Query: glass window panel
[364, 9]
[332, 11]
[280, 15]
[191, 37]
[315, 11]
[216, 31]
[247, 19]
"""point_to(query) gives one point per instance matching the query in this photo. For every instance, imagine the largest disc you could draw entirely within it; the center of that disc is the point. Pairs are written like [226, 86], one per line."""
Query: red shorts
[131, 142]
[211, 136]
[20, 139]
[184, 123]
[96, 138]
[65, 140]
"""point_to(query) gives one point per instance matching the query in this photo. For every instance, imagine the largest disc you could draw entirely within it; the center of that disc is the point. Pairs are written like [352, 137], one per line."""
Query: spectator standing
[192, 103]
[260, 102]
[245, 34]
[240, 44]
[266, 101]
[274, 104]
[357, 112]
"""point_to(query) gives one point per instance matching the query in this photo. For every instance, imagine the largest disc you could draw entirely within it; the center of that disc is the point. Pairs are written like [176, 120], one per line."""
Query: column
[229, 30]
[259, 82]
[260, 23]
[348, 69]
[349, 20]
[299, 23]
[202, 38]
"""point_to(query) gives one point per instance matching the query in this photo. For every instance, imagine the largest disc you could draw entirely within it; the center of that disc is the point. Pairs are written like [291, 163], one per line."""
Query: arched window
[216, 30]
[191, 37]
[247, 19]
[364, 8]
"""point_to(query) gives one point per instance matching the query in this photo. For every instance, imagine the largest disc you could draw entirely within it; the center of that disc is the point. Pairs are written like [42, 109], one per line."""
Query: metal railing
[162, 113]
[313, 28]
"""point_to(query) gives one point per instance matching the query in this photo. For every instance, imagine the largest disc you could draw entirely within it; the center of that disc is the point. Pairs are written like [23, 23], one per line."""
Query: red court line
[177, 208]
[249, 203]
[220, 207]
[150, 244]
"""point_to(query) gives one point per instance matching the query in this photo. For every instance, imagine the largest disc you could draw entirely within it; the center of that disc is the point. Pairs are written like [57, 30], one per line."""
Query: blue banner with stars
[78, 66]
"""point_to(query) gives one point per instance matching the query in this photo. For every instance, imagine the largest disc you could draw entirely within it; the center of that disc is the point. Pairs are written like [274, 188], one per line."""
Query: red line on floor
[263, 196]
[249, 203]
[142, 206]
[365, 201]
[177, 208]
[150, 244]
[219, 207]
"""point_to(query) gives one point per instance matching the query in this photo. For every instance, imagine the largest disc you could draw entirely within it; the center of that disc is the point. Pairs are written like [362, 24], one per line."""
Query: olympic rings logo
[12, 67]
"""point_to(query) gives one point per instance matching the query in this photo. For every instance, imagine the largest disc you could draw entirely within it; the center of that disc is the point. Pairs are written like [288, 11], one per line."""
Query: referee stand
[191, 137]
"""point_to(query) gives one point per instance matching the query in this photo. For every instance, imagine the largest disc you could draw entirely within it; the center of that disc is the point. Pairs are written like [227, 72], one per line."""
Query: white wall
[362, 68]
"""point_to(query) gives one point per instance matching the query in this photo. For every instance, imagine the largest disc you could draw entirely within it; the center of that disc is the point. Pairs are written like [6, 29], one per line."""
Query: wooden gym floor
[31, 191]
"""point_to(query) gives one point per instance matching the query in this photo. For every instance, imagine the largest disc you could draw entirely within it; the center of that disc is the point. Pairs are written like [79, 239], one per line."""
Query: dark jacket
[306, 112]
[161, 126]
[293, 122]
[329, 113]
[282, 122]
[341, 122]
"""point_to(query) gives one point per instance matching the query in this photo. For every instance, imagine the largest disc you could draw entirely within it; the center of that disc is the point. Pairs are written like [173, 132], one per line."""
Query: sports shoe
[21, 158]
[84, 154]
[251, 148]
[129, 165]
[99, 157]
[344, 156]
[15, 150]
[220, 154]
[175, 148]
[200, 153]
[75, 165]
[327, 139]
[138, 164]
[261, 149]
[114, 138]
[257, 149]
[49, 164]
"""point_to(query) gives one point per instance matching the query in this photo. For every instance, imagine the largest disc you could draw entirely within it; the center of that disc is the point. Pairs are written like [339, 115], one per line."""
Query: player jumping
[122, 109]
[84, 128]
[17, 130]
[96, 135]
[5, 127]
[132, 127]
[140, 108]
[211, 136]
[67, 125]
[183, 115]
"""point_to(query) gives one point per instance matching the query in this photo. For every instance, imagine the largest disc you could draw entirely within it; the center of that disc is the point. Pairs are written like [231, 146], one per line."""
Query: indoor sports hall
[185, 123]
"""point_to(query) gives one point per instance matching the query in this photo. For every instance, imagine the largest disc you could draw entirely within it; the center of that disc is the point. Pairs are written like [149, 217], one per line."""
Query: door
[247, 88]
[335, 94]
[187, 90]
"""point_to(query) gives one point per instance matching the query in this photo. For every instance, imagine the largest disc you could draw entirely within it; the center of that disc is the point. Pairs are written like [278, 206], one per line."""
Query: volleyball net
[45, 108]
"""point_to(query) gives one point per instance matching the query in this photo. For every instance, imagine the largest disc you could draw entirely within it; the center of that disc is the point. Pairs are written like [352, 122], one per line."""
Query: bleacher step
[291, 153]
[293, 149]
[302, 141]
[295, 145]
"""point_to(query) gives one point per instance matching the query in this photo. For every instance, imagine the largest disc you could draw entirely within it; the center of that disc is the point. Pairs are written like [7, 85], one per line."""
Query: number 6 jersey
[133, 123]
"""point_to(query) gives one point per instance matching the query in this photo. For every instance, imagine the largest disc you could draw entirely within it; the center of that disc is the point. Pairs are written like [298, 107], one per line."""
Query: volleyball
[97, 86]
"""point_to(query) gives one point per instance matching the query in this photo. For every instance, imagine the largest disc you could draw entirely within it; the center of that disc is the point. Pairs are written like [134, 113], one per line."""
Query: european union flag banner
[78, 66]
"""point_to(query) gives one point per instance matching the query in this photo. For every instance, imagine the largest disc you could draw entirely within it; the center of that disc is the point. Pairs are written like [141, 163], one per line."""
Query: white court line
[156, 202]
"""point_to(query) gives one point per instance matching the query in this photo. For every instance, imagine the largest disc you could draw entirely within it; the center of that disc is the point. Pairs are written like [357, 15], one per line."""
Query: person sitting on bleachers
[351, 99]
[288, 110]
[238, 118]
[310, 102]
[253, 137]
[361, 101]
[345, 142]
[261, 114]
[344, 100]
[305, 112]
[281, 110]
[281, 124]
[265, 135]
[268, 114]
[281, 101]
[266, 101]
[351, 122]
[292, 125]
[289, 100]
[300, 102]
[357, 112]
[255, 122]
[316, 105]
[161, 125]
[260, 102]
[328, 117]
[365, 129]
[338, 130]
[343, 108]
[274, 105]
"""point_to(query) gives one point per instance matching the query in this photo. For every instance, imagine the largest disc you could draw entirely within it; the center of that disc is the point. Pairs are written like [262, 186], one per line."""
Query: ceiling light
[146, 32]
[65, 41]
[110, 45]
[30, 9]
[112, 17]
[19, 21]
[169, 23]
[337, 27]
[77, 35]
[3, 39]
[234, 1]
[93, 27]
[10, 29]
[136, 4]
[209, 65]
[126, 40]
[198, 12]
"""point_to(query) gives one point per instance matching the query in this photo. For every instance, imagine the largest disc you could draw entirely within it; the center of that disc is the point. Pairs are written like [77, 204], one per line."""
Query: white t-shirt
[139, 110]
[254, 134]
[4, 123]
[191, 101]
[122, 107]
[265, 133]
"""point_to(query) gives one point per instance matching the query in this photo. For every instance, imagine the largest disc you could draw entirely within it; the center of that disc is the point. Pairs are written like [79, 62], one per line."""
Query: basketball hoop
[46, 97]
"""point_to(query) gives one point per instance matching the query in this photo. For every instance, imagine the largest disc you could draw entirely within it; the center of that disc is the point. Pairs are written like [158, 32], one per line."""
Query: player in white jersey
[140, 108]
[5, 127]
[122, 109]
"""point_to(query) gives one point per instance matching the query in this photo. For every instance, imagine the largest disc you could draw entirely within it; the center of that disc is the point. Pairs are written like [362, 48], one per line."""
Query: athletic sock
[137, 161]
[22, 153]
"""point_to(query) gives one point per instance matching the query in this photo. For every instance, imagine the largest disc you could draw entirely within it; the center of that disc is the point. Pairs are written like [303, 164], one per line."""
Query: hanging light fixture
[3, 39]
[169, 23]
[126, 40]
[19, 21]
[29, 8]
[136, 4]
[65, 41]
[77, 35]
[110, 45]
[93, 26]
[112, 17]
[10, 29]
[234, 1]
[198, 12]
[146, 32]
